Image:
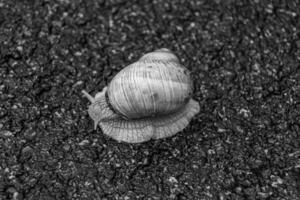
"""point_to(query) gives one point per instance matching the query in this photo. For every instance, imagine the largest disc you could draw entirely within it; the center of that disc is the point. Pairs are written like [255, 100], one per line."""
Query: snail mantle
[149, 99]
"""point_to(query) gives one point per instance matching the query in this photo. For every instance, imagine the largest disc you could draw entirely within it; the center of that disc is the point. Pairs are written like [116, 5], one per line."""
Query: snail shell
[150, 98]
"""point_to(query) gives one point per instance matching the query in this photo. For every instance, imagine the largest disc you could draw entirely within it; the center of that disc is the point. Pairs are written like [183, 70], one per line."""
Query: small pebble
[20, 48]
[83, 142]
[6, 133]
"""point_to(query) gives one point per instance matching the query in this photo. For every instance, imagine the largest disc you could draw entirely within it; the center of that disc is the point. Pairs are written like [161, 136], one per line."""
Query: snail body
[150, 98]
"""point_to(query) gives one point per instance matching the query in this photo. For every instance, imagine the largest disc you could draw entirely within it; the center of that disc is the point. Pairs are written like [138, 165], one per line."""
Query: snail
[149, 99]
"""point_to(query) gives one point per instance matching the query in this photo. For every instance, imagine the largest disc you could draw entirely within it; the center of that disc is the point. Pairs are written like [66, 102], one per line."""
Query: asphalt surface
[244, 144]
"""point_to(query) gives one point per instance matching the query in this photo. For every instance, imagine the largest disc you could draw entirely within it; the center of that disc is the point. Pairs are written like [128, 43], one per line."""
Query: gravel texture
[244, 144]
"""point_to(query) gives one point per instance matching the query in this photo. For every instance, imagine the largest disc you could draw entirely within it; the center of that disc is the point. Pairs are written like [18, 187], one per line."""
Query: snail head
[96, 109]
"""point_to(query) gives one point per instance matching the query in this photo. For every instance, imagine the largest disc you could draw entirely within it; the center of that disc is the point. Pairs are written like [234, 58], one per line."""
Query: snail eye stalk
[87, 95]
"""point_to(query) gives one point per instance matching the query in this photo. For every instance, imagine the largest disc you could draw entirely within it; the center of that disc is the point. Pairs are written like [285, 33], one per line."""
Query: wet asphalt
[245, 61]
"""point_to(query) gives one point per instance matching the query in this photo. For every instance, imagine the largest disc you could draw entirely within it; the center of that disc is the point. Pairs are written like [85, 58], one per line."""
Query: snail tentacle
[87, 95]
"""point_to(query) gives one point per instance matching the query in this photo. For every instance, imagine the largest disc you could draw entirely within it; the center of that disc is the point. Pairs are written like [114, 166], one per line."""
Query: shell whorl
[157, 84]
[160, 55]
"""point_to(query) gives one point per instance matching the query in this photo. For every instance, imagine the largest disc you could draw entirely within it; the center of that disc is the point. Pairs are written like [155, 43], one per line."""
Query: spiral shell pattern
[157, 84]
